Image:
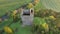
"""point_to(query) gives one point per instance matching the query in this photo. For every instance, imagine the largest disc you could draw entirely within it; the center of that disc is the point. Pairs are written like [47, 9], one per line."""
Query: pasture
[11, 5]
[51, 4]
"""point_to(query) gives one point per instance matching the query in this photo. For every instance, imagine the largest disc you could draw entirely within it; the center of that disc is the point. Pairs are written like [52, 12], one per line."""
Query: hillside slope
[11, 5]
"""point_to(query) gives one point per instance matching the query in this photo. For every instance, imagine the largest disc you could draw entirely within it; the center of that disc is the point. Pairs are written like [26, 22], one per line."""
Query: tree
[30, 5]
[8, 30]
[36, 2]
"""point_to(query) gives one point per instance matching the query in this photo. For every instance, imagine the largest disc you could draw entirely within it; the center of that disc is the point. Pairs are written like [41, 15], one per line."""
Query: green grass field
[51, 4]
[11, 5]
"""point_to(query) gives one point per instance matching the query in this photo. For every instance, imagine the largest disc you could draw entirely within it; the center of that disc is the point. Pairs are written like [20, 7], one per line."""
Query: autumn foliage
[36, 1]
[30, 5]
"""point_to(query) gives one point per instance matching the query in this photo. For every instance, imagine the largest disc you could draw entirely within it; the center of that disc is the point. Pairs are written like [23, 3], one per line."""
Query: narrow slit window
[31, 11]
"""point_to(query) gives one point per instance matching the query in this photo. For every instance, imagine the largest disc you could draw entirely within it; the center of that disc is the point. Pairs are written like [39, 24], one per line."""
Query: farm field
[52, 4]
[11, 5]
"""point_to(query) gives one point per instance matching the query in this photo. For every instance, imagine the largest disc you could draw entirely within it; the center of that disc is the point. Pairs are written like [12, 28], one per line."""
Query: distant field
[10, 5]
[51, 4]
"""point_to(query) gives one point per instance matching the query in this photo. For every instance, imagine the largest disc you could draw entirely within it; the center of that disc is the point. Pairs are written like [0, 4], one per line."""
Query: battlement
[27, 16]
